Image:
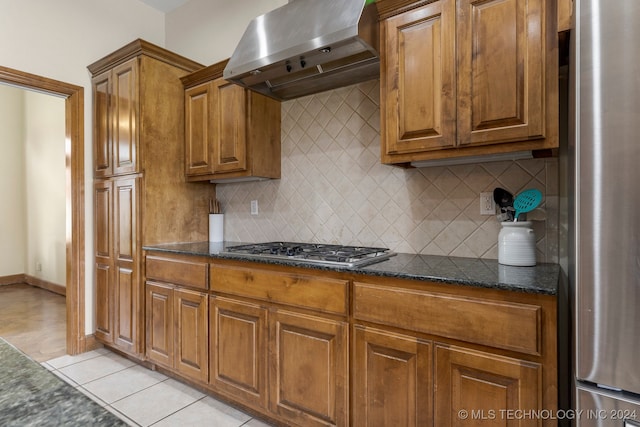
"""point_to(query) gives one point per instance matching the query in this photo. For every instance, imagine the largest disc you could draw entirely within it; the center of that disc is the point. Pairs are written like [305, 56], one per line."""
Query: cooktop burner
[316, 253]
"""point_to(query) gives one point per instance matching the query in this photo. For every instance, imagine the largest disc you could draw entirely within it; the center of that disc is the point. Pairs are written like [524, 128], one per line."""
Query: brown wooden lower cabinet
[177, 330]
[238, 350]
[340, 349]
[474, 388]
[308, 369]
[392, 383]
[159, 324]
[191, 332]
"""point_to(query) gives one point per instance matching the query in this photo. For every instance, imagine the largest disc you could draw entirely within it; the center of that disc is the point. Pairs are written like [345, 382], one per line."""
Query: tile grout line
[175, 412]
[122, 415]
[139, 391]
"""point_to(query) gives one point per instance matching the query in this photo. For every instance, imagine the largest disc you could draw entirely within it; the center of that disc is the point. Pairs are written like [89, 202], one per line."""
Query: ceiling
[165, 5]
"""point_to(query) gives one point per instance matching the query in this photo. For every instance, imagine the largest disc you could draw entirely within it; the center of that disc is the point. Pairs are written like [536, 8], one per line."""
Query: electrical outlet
[254, 207]
[38, 266]
[487, 204]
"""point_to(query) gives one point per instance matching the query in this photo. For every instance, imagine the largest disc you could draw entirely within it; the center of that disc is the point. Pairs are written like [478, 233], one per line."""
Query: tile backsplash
[335, 190]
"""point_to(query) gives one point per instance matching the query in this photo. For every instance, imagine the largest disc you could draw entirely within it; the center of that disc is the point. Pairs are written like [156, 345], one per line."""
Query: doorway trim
[74, 172]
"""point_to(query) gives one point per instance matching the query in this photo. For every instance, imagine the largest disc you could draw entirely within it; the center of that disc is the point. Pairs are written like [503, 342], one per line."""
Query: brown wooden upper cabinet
[467, 78]
[231, 133]
[115, 117]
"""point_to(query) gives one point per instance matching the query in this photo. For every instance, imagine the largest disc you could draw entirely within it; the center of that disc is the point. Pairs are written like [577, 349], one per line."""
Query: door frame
[74, 177]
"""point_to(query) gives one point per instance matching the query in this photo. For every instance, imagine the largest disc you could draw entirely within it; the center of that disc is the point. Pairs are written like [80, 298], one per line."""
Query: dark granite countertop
[483, 273]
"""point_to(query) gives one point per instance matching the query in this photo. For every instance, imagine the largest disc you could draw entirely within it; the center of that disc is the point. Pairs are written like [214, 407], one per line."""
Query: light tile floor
[142, 397]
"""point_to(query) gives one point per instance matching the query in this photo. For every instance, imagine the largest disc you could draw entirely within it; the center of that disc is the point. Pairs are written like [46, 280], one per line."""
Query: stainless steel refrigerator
[604, 211]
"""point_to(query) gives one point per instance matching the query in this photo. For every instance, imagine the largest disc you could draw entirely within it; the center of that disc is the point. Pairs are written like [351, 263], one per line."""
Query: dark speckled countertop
[484, 273]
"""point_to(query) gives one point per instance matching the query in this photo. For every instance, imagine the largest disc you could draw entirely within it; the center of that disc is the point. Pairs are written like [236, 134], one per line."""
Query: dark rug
[30, 395]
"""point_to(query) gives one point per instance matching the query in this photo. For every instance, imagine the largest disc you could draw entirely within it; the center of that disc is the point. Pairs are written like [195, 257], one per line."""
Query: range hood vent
[306, 47]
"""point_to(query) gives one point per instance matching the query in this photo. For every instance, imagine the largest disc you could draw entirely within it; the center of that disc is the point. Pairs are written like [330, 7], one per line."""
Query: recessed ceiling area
[165, 5]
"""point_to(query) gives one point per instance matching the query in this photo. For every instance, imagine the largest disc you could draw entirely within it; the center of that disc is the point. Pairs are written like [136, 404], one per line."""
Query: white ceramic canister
[517, 244]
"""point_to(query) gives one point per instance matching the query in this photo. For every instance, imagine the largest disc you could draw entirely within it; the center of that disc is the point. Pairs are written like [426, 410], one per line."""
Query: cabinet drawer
[328, 295]
[177, 271]
[501, 324]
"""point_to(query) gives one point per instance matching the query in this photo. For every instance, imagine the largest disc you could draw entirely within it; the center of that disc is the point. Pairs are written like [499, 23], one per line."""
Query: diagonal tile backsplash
[334, 190]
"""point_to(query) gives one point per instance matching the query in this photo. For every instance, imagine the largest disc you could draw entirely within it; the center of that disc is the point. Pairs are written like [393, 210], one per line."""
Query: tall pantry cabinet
[140, 193]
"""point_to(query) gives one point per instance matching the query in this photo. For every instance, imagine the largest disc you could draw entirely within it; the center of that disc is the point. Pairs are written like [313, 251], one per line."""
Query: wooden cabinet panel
[102, 126]
[191, 334]
[308, 369]
[115, 116]
[104, 297]
[104, 265]
[501, 324]
[324, 294]
[125, 215]
[501, 70]
[125, 117]
[102, 205]
[178, 271]
[392, 379]
[238, 350]
[488, 384]
[197, 130]
[418, 82]
[126, 253]
[126, 305]
[229, 126]
[160, 327]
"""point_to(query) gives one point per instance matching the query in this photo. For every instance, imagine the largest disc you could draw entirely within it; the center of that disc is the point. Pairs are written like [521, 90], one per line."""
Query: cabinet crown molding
[204, 75]
[142, 47]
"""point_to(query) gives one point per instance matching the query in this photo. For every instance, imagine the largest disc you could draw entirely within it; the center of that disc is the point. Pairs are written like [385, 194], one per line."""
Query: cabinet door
[229, 133]
[486, 386]
[159, 315]
[104, 266]
[198, 148]
[501, 70]
[127, 289]
[418, 80]
[191, 334]
[102, 126]
[308, 379]
[124, 111]
[392, 379]
[238, 345]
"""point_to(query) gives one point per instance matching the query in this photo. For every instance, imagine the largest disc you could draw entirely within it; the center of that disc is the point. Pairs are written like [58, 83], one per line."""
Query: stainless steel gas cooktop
[315, 253]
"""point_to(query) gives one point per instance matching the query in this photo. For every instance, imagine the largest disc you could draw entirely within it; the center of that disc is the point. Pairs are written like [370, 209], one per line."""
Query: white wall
[32, 185]
[57, 40]
[45, 185]
[208, 31]
[12, 191]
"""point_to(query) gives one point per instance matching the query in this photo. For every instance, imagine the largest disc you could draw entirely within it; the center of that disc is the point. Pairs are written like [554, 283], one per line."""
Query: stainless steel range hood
[307, 46]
